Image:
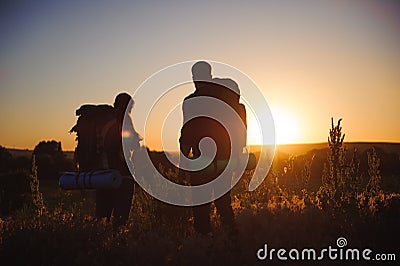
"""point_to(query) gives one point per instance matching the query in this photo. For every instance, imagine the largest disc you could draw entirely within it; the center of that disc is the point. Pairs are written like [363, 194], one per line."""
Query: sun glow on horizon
[287, 128]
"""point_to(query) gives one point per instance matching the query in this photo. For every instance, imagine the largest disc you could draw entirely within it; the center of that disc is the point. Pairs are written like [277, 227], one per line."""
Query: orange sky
[312, 60]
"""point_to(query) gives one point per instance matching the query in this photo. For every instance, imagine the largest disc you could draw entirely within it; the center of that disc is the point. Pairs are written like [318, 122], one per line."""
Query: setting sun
[287, 129]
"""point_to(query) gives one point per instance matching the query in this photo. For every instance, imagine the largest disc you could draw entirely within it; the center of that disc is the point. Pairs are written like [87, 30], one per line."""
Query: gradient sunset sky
[313, 60]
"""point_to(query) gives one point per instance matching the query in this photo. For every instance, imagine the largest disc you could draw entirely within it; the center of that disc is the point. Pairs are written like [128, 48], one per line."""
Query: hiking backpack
[93, 124]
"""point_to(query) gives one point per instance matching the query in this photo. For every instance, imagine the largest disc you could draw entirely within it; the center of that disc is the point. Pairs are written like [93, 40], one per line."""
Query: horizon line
[251, 145]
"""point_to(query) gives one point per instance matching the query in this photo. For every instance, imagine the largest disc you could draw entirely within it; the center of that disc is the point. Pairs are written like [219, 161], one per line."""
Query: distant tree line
[10, 164]
[50, 160]
[16, 173]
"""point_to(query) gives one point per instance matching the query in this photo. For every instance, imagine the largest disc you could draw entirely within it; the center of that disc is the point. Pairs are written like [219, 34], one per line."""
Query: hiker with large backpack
[200, 127]
[119, 200]
[100, 157]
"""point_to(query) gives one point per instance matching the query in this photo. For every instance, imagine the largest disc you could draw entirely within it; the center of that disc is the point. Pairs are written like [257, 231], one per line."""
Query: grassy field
[66, 233]
[291, 209]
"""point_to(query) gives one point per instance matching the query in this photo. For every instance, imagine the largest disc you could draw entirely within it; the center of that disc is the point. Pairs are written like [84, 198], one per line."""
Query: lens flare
[126, 134]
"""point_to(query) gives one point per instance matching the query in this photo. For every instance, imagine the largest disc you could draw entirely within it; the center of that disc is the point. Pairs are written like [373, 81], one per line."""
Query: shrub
[14, 191]
[5, 160]
[50, 160]
[36, 199]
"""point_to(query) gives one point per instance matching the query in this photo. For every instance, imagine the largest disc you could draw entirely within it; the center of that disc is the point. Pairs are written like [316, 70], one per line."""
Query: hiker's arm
[132, 138]
[136, 141]
[185, 149]
[242, 114]
[182, 174]
[184, 145]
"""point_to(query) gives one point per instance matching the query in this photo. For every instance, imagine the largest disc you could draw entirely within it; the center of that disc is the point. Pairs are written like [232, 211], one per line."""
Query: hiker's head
[201, 71]
[123, 102]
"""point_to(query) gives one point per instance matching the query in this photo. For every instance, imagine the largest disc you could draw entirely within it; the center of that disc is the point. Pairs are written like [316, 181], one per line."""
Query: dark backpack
[94, 122]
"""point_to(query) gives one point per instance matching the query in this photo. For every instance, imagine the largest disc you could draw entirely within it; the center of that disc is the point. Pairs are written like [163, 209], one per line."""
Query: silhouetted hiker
[119, 200]
[193, 130]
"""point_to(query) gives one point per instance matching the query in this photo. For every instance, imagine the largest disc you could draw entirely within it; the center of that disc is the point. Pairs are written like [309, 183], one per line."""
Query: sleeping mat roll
[91, 180]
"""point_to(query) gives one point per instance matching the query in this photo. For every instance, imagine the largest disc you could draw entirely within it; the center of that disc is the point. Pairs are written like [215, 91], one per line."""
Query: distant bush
[51, 160]
[5, 160]
[20, 189]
